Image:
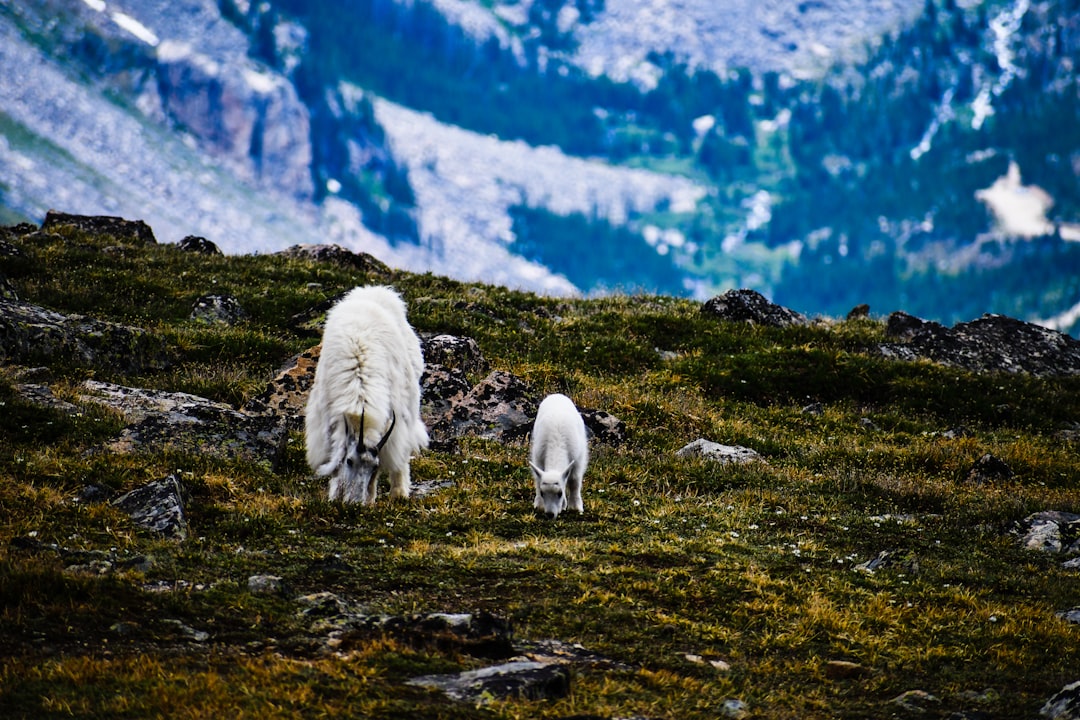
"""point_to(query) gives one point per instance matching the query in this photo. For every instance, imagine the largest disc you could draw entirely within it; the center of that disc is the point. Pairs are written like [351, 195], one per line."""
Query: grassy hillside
[700, 583]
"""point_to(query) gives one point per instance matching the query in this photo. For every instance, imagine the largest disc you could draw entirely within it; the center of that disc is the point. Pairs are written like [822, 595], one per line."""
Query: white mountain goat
[363, 412]
[559, 455]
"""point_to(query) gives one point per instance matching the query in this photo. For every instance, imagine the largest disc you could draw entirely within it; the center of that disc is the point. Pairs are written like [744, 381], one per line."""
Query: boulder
[517, 679]
[1050, 531]
[500, 407]
[723, 454]
[33, 334]
[1064, 705]
[604, 427]
[337, 255]
[132, 231]
[992, 343]
[453, 351]
[218, 310]
[157, 507]
[197, 244]
[989, 469]
[750, 306]
[898, 560]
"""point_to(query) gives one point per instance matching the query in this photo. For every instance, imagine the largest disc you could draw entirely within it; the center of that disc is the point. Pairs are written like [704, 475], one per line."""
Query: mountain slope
[903, 540]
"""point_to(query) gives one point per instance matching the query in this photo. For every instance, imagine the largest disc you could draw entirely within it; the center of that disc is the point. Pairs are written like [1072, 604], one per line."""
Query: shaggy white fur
[363, 412]
[559, 455]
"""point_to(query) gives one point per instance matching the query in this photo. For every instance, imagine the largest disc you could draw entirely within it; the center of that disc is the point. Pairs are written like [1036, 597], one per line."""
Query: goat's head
[551, 488]
[360, 462]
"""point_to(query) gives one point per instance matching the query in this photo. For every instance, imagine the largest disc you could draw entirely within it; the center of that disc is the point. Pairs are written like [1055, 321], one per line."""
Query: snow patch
[135, 27]
[1020, 210]
[1004, 26]
[260, 82]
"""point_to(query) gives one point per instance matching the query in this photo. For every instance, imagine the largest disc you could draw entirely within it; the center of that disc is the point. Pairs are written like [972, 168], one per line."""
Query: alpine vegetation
[363, 413]
[559, 455]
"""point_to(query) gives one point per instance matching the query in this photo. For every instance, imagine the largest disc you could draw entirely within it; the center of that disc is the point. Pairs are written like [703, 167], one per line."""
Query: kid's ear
[536, 471]
[569, 469]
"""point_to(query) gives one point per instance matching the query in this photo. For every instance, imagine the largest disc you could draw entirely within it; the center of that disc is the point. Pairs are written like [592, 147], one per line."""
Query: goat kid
[559, 455]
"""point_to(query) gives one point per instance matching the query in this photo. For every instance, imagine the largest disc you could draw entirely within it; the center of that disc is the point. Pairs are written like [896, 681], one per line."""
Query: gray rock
[1072, 615]
[916, 701]
[524, 679]
[989, 469]
[188, 423]
[897, 560]
[35, 335]
[338, 255]
[992, 343]
[442, 388]
[1050, 531]
[1065, 705]
[604, 427]
[734, 708]
[158, 507]
[859, 311]
[42, 396]
[452, 351]
[265, 584]
[7, 290]
[218, 310]
[198, 244]
[187, 632]
[750, 306]
[500, 407]
[723, 454]
[135, 231]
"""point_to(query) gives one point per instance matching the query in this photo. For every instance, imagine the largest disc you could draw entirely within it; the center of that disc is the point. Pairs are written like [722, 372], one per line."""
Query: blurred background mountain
[916, 155]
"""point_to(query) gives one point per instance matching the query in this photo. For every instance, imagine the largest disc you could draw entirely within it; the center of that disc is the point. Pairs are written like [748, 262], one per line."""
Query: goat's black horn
[393, 421]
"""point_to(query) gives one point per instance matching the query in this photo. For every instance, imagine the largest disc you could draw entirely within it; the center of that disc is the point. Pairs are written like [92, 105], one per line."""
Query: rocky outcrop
[285, 397]
[992, 343]
[750, 306]
[187, 423]
[133, 231]
[242, 112]
[337, 255]
[30, 334]
[198, 244]
[499, 407]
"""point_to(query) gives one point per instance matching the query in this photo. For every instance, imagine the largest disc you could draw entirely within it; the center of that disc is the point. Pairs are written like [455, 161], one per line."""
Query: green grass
[751, 565]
